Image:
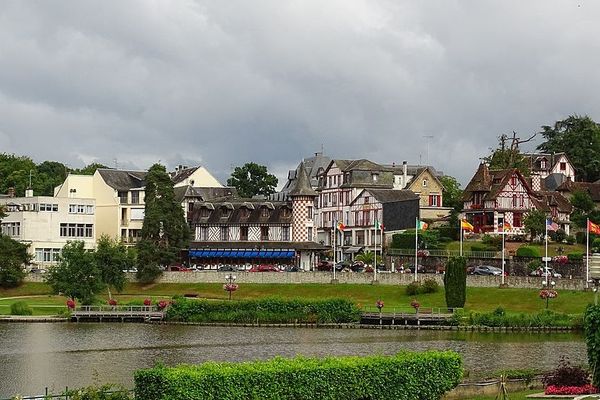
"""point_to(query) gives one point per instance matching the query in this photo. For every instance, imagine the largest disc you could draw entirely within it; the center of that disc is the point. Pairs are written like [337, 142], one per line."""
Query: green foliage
[450, 232]
[369, 258]
[455, 282]
[534, 265]
[428, 286]
[579, 137]
[403, 241]
[20, 308]
[452, 194]
[13, 257]
[528, 251]
[575, 256]
[493, 241]
[545, 318]
[89, 169]
[77, 275]
[104, 392]
[165, 231]
[535, 223]
[591, 327]
[527, 374]
[415, 376]
[252, 179]
[570, 239]
[507, 157]
[112, 258]
[596, 245]
[427, 239]
[268, 310]
[558, 236]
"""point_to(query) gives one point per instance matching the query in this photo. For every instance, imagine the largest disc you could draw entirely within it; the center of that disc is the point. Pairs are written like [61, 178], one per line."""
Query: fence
[445, 253]
[68, 394]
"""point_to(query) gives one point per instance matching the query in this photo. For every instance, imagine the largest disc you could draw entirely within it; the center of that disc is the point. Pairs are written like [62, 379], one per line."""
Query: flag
[552, 226]
[421, 225]
[506, 226]
[341, 226]
[465, 225]
[378, 225]
[593, 228]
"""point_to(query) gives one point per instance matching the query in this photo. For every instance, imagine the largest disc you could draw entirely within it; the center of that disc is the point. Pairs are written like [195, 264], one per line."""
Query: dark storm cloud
[223, 83]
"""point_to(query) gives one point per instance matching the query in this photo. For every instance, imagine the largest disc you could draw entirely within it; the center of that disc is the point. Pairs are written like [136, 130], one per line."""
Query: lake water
[38, 355]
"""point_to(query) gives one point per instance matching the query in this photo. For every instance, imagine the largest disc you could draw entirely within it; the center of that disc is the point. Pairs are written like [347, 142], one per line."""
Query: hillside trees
[252, 179]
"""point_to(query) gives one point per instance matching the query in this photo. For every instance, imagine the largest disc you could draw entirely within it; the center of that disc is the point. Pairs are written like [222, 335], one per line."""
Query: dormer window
[285, 212]
[264, 212]
[225, 212]
[204, 212]
[244, 213]
[543, 164]
[367, 199]
[374, 177]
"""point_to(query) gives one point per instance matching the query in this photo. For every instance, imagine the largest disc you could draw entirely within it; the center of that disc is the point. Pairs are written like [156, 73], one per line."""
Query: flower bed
[570, 390]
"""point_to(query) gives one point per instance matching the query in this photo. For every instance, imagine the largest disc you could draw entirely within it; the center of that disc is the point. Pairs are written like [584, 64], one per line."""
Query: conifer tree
[455, 282]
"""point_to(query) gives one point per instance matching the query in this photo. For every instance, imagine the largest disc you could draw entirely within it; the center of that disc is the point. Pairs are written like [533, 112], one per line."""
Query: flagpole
[375, 269]
[461, 237]
[416, 246]
[587, 255]
[334, 247]
[503, 253]
[546, 258]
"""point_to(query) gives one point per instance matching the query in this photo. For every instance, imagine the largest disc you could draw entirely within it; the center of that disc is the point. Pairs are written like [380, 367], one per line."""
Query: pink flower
[230, 287]
[162, 304]
[415, 304]
[570, 390]
[147, 302]
[71, 304]
[112, 302]
[379, 304]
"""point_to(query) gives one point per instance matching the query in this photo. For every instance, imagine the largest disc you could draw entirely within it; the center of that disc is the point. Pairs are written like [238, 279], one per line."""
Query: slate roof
[534, 160]
[242, 211]
[391, 195]
[553, 181]
[122, 180]
[302, 185]
[593, 189]
[547, 200]
[491, 181]
[182, 174]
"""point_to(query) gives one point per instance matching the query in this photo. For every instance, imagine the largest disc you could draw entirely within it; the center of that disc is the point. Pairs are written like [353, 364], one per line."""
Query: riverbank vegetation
[268, 310]
[426, 375]
[500, 318]
[479, 300]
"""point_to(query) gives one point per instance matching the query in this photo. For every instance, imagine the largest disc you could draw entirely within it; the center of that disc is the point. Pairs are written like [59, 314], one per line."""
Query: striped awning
[242, 253]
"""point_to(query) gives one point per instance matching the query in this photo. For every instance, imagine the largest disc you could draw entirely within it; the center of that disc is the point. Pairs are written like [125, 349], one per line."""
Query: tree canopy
[535, 223]
[579, 137]
[507, 156]
[252, 179]
[113, 258]
[13, 257]
[583, 208]
[165, 231]
[452, 193]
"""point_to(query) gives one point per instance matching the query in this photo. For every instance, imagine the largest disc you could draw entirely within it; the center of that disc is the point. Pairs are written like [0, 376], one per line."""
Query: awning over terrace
[241, 253]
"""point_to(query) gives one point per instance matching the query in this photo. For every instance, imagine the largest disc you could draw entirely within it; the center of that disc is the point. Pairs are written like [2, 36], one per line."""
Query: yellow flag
[465, 225]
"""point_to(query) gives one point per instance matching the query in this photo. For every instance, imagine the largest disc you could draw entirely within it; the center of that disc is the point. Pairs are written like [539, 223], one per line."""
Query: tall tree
[49, 175]
[583, 208]
[113, 259]
[252, 179]
[579, 138]
[452, 193]
[13, 257]
[15, 172]
[89, 169]
[535, 223]
[165, 232]
[455, 282]
[77, 275]
[508, 155]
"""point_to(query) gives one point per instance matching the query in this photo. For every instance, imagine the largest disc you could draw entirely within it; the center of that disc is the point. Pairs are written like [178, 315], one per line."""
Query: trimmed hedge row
[410, 376]
[268, 310]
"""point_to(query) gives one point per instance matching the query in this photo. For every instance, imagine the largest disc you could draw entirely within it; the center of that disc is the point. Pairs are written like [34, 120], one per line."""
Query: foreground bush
[592, 340]
[20, 308]
[527, 251]
[410, 376]
[428, 286]
[269, 310]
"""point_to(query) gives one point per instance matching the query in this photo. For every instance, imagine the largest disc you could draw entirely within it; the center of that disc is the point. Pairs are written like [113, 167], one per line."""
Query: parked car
[228, 268]
[486, 270]
[357, 266]
[178, 268]
[37, 271]
[541, 271]
[264, 268]
[291, 268]
[411, 269]
[324, 266]
[340, 266]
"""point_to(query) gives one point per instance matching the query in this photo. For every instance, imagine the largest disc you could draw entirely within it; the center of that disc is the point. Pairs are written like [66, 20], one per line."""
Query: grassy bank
[478, 299]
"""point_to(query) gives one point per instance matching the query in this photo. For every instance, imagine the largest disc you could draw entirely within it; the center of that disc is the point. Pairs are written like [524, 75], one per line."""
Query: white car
[541, 271]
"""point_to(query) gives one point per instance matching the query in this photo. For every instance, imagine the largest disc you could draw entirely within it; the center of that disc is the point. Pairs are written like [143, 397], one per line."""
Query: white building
[46, 224]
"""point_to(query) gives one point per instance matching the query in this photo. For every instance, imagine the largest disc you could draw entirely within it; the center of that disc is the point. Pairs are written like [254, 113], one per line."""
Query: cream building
[46, 224]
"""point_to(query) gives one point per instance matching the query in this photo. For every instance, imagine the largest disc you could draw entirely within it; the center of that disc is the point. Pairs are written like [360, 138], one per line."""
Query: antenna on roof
[116, 163]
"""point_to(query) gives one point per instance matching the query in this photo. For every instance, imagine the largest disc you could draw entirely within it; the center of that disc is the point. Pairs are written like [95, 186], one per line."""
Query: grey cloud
[223, 83]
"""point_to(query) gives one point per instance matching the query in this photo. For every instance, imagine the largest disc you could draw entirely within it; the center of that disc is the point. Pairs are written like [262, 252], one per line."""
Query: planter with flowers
[547, 294]
[416, 305]
[71, 304]
[161, 305]
[112, 303]
[147, 302]
[567, 379]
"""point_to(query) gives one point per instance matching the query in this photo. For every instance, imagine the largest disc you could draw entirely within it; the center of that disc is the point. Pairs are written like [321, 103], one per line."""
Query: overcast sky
[221, 83]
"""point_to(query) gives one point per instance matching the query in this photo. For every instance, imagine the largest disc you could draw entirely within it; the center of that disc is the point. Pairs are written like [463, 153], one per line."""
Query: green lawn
[513, 396]
[478, 299]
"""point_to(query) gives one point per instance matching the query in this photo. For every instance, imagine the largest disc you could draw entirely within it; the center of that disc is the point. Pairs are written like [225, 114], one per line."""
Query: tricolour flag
[341, 226]
[421, 225]
[378, 225]
[551, 225]
[593, 228]
[466, 226]
[506, 226]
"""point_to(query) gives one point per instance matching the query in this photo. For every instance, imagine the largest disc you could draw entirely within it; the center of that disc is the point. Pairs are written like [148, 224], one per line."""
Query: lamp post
[548, 291]
[230, 285]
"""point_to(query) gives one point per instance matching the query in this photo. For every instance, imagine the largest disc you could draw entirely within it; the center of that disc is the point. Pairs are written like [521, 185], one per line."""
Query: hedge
[410, 376]
[455, 282]
[268, 310]
[526, 251]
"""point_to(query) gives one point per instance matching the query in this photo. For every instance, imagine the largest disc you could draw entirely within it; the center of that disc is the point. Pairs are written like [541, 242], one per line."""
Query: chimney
[404, 174]
[29, 192]
[11, 192]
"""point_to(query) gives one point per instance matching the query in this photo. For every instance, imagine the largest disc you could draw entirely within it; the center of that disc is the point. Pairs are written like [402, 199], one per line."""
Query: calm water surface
[33, 356]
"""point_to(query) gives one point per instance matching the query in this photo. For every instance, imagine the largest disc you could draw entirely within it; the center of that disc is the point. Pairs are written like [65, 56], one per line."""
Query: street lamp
[230, 285]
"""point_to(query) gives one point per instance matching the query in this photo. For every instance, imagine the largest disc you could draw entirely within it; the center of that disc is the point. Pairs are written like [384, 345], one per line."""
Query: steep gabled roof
[123, 180]
[547, 200]
[182, 174]
[593, 189]
[534, 160]
[388, 195]
[492, 182]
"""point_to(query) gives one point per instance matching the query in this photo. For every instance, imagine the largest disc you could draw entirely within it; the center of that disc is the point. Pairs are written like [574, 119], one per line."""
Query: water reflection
[34, 356]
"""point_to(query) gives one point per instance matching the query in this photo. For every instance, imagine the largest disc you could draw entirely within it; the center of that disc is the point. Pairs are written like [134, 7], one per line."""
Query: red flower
[415, 304]
[230, 287]
[548, 294]
[71, 304]
[147, 302]
[162, 304]
[570, 390]
[112, 302]
[379, 304]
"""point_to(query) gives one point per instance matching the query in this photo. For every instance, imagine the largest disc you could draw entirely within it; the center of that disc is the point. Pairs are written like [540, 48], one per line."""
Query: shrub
[430, 286]
[570, 390]
[482, 247]
[528, 251]
[494, 242]
[268, 310]
[105, 392]
[448, 232]
[545, 318]
[575, 256]
[533, 265]
[526, 375]
[455, 282]
[570, 239]
[413, 288]
[591, 327]
[580, 237]
[403, 241]
[425, 375]
[20, 308]
[566, 374]
[558, 236]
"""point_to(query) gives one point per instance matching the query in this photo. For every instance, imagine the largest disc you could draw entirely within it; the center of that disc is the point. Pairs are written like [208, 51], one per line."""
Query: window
[434, 200]
[514, 200]
[563, 166]
[77, 230]
[310, 234]
[47, 255]
[48, 207]
[543, 164]
[204, 212]
[264, 233]
[517, 220]
[122, 197]
[375, 177]
[264, 212]
[89, 210]
[135, 197]
[225, 233]
[72, 208]
[335, 199]
[12, 229]
[513, 180]
[309, 212]
[80, 209]
[225, 212]
[243, 233]
[367, 199]
[285, 233]
[424, 182]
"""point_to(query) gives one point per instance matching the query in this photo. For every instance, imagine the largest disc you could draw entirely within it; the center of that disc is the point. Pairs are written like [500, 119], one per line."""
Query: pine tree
[455, 282]
[165, 231]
